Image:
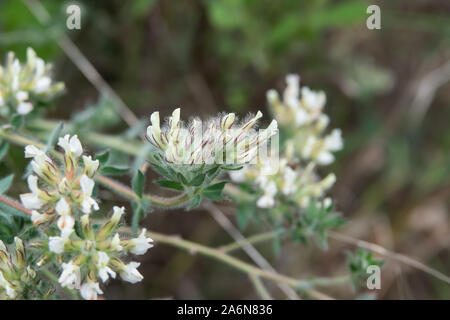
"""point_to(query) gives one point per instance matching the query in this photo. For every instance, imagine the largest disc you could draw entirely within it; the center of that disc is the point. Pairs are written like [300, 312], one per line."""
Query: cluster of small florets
[95, 255]
[301, 113]
[62, 196]
[56, 190]
[15, 275]
[220, 140]
[22, 85]
[291, 182]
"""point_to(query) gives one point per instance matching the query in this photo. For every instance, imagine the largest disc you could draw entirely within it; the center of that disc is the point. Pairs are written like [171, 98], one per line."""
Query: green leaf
[198, 180]
[214, 191]
[182, 179]
[212, 171]
[170, 184]
[138, 183]
[54, 135]
[232, 168]
[195, 202]
[161, 170]
[102, 157]
[114, 170]
[16, 121]
[5, 183]
[4, 150]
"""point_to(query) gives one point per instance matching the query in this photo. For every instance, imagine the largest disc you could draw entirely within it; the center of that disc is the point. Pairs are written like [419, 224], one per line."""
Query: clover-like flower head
[96, 255]
[57, 189]
[220, 140]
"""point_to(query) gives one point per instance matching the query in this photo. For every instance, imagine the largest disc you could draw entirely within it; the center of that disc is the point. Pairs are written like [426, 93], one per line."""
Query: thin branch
[260, 237]
[226, 224]
[390, 254]
[193, 248]
[260, 288]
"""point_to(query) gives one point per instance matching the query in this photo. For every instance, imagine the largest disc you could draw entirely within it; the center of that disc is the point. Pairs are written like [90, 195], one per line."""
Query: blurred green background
[388, 90]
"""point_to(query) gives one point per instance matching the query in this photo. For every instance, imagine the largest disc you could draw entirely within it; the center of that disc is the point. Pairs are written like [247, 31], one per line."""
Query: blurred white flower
[87, 186]
[71, 145]
[104, 271]
[90, 290]
[70, 276]
[118, 212]
[65, 222]
[115, 243]
[31, 200]
[290, 177]
[22, 85]
[267, 200]
[130, 273]
[141, 244]
[56, 244]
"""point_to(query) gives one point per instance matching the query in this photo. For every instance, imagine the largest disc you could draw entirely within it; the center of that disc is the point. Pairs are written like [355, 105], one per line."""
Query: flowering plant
[65, 239]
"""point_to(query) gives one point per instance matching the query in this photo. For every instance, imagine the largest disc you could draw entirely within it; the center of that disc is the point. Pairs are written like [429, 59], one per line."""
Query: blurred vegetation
[212, 55]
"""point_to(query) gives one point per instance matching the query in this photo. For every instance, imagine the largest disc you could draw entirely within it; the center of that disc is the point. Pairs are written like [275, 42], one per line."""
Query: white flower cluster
[54, 190]
[22, 85]
[15, 274]
[61, 195]
[300, 185]
[220, 140]
[301, 113]
[97, 255]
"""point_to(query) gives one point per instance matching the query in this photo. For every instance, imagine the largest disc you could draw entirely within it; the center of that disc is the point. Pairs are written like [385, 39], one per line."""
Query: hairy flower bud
[108, 228]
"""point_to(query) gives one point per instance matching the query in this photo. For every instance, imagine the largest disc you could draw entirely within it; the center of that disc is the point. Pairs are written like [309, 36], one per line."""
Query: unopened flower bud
[109, 227]
[90, 166]
[86, 227]
[20, 253]
[227, 121]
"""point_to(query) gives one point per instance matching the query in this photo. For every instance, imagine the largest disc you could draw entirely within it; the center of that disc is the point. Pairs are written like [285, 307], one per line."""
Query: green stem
[251, 240]
[260, 288]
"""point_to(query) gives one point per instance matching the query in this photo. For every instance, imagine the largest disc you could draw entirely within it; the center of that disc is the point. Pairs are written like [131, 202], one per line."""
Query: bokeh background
[388, 90]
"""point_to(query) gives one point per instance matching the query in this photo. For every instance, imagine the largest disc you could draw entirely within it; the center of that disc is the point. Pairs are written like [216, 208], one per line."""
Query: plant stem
[237, 264]
[251, 240]
[259, 287]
